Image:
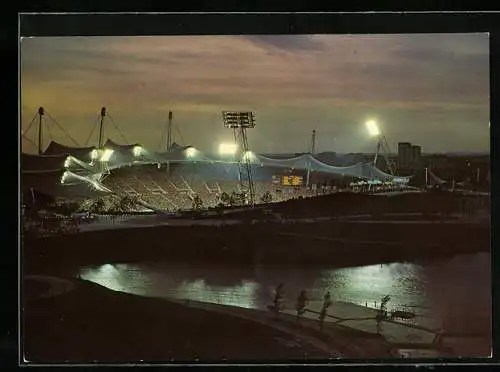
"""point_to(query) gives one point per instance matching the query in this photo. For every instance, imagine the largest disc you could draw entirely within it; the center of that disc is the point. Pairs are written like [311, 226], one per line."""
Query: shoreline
[92, 322]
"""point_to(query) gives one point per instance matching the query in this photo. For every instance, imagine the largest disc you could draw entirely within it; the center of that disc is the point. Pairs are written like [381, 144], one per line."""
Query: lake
[453, 293]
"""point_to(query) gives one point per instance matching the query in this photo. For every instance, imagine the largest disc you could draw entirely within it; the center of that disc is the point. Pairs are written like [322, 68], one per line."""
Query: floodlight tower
[239, 122]
[41, 112]
[374, 131]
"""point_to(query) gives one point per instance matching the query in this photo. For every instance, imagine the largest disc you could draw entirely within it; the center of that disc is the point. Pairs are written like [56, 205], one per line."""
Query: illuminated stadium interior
[170, 180]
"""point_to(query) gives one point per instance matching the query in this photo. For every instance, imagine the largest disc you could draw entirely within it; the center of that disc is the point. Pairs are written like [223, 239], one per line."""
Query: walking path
[263, 317]
[351, 329]
[342, 316]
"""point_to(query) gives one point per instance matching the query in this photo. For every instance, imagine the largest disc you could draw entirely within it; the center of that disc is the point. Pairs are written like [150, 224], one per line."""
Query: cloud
[330, 81]
[288, 43]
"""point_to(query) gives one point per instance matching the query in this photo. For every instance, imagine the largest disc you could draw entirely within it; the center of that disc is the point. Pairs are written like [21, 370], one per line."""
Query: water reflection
[242, 295]
[367, 284]
[151, 280]
[454, 293]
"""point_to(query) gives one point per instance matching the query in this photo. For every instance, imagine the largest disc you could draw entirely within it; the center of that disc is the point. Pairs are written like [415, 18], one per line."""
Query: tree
[237, 199]
[326, 304]
[233, 199]
[197, 203]
[278, 299]
[382, 312]
[225, 199]
[127, 203]
[70, 207]
[98, 206]
[66, 208]
[301, 304]
[266, 198]
[219, 209]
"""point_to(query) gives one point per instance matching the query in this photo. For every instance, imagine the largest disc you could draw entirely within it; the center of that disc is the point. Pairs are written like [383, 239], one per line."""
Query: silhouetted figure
[278, 298]
[438, 338]
[326, 304]
[301, 304]
[382, 312]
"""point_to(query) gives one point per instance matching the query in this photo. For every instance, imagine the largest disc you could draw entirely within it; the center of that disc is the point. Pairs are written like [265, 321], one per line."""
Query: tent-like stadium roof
[110, 144]
[308, 161]
[42, 163]
[56, 148]
[124, 155]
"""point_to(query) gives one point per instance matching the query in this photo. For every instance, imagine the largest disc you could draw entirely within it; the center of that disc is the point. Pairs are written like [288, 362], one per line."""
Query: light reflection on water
[452, 293]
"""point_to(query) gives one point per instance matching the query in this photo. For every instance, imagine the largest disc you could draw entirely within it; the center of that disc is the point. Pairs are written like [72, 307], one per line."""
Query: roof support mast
[41, 112]
[377, 152]
[313, 142]
[313, 150]
[101, 127]
[169, 132]
[102, 165]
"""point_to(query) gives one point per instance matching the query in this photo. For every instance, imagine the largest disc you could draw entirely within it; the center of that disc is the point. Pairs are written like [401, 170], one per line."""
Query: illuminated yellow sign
[292, 180]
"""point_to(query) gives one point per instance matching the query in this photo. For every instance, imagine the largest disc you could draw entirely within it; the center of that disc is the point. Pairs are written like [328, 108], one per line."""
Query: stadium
[185, 178]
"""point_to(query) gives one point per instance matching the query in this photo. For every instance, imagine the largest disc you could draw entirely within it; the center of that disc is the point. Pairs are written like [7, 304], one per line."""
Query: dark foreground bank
[330, 242]
[92, 323]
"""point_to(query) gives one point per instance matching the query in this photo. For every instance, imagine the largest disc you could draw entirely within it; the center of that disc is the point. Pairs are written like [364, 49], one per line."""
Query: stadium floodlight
[106, 155]
[191, 152]
[94, 154]
[137, 151]
[64, 177]
[67, 162]
[373, 128]
[248, 156]
[228, 148]
[236, 119]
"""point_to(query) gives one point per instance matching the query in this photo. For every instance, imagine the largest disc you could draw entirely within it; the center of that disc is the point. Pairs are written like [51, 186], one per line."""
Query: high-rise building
[416, 155]
[405, 154]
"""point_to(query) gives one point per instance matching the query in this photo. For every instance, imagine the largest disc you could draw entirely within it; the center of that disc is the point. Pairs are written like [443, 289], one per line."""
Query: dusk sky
[429, 89]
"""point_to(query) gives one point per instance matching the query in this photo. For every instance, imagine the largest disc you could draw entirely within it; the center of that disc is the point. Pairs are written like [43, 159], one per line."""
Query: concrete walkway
[264, 317]
[397, 339]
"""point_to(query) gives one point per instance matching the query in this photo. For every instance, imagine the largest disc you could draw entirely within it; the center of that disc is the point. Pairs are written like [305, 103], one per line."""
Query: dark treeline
[351, 203]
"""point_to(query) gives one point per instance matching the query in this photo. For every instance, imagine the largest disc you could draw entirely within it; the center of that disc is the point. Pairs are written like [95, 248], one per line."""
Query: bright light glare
[64, 177]
[106, 155]
[227, 148]
[373, 128]
[190, 152]
[94, 154]
[67, 162]
[137, 151]
[248, 156]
